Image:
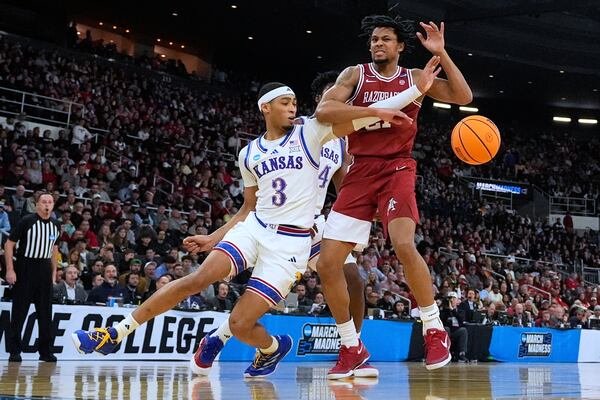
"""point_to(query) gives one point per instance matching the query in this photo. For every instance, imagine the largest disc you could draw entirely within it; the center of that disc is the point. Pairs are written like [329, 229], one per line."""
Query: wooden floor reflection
[173, 380]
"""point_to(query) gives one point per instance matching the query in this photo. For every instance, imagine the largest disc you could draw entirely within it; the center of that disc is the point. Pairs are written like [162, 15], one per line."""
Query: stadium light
[126, 30]
[174, 14]
[250, 38]
[468, 109]
[170, 43]
[561, 119]
[491, 76]
[183, 46]
[470, 54]
[561, 71]
[442, 105]
[587, 121]
[114, 27]
[100, 23]
[158, 40]
[308, 31]
[233, 6]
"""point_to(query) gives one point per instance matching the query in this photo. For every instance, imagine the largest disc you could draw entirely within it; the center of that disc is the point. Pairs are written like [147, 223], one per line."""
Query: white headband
[273, 94]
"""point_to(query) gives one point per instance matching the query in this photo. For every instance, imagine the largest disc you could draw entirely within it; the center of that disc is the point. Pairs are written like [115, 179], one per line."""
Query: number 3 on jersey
[279, 197]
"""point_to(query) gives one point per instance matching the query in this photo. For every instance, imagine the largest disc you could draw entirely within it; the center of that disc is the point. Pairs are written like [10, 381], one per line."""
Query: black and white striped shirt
[35, 237]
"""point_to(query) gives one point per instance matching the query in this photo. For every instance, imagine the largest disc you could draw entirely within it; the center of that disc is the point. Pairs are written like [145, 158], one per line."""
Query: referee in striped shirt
[33, 244]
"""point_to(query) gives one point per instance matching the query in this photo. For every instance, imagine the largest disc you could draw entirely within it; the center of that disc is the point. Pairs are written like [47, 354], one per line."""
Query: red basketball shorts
[373, 184]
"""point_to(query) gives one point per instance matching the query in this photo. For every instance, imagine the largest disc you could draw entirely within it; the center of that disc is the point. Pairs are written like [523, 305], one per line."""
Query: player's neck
[274, 133]
[386, 69]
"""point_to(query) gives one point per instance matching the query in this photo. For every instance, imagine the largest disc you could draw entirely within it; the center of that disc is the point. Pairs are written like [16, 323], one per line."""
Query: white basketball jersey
[286, 172]
[332, 158]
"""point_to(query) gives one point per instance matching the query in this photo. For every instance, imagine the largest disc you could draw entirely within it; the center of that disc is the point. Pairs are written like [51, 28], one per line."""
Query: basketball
[475, 140]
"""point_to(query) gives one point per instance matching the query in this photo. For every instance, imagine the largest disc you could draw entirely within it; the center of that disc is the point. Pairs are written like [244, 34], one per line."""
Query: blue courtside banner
[317, 339]
[534, 344]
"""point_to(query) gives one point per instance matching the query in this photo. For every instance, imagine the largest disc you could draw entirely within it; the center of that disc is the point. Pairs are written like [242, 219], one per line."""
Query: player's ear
[401, 47]
[265, 108]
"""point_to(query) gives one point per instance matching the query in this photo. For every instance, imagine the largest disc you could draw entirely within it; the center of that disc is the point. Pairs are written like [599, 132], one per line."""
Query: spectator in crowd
[135, 265]
[303, 301]
[386, 303]
[109, 288]
[469, 306]
[579, 318]
[520, 316]
[490, 317]
[221, 302]
[166, 267]
[70, 290]
[133, 294]
[399, 310]
[545, 320]
[319, 307]
[4, 222]
[160, 283]
[453, 320]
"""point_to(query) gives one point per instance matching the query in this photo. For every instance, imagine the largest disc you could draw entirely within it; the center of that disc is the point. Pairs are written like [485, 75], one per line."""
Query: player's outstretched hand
[198, 243]
[434, 41]
[392, 116]
[428, 75]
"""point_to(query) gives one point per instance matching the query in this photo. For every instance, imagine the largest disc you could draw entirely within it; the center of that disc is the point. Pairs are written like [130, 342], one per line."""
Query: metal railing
[107, 152]
[405, 299]
[562, 268]
[575, 205]
[159, 179]
[540, 291]
[590, 275]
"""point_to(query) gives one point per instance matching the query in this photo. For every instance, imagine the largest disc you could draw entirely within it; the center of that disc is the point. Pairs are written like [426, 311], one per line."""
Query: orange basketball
[475, 140]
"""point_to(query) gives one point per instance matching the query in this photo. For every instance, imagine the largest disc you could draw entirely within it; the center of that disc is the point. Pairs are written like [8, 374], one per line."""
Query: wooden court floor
[173, 380]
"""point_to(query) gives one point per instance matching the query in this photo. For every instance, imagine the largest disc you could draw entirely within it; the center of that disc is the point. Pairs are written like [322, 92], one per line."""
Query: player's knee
[239, 325]
[405, 250]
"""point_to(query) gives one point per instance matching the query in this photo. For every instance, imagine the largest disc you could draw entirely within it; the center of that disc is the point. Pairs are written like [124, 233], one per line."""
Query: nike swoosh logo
[401, 168]
[368, 81]
[445, 343]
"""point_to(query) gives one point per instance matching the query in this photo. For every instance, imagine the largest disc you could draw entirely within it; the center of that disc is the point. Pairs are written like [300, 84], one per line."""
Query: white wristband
[364, 122]
[401, 100]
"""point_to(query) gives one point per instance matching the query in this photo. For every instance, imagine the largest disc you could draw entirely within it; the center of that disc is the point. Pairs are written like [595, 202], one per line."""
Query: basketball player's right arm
[333, 108]
[199, 243]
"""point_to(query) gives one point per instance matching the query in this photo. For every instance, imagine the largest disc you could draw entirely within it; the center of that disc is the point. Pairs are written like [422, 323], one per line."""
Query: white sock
[223, 332]
[358, 334]
[430, 316]
[272, 348]
[347, 332]
[125, 327]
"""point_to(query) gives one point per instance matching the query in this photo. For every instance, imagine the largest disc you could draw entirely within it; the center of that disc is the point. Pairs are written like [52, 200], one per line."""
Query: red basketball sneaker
[437, 348]
[348, 359]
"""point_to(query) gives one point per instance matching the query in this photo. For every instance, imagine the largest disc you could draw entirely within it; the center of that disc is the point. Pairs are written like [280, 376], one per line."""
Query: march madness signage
[535, 344]
[174, 335]
[319, 339]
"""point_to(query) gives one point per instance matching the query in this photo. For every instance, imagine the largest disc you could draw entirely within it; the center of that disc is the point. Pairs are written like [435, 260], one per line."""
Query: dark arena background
[131, 116]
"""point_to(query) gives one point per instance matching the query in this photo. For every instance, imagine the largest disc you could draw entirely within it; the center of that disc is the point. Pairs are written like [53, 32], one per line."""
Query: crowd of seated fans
[122, 232]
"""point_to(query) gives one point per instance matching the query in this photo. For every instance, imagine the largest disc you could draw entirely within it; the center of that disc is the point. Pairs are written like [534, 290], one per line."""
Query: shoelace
[102, 334]
[260, 358]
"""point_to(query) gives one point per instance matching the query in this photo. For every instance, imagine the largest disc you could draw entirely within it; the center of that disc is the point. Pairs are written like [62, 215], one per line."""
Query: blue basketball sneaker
[102, 340]
[265, 364]
[207, 351]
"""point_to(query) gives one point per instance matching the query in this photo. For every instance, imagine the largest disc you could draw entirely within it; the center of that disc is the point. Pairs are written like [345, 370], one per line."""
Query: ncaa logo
[256, 157]
[307, 330]
[402, 81]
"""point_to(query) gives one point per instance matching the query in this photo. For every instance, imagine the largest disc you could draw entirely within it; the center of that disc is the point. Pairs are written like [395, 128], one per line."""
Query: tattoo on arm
[345, 78]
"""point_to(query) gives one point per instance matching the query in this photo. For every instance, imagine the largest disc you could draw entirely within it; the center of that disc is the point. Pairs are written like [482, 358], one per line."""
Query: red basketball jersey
[383, 139]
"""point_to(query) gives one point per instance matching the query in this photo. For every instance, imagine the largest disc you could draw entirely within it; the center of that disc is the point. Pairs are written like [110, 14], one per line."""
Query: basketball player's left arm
[455, 88]
[54, 263]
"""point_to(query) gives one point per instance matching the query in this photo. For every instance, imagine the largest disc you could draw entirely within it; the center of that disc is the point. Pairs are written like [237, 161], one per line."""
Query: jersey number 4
[279, 197]
[324, 176]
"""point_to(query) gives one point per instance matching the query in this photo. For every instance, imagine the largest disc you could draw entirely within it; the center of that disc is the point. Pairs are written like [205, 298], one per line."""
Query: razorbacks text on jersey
[286, 172]
[383, 139]
[332, 158]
